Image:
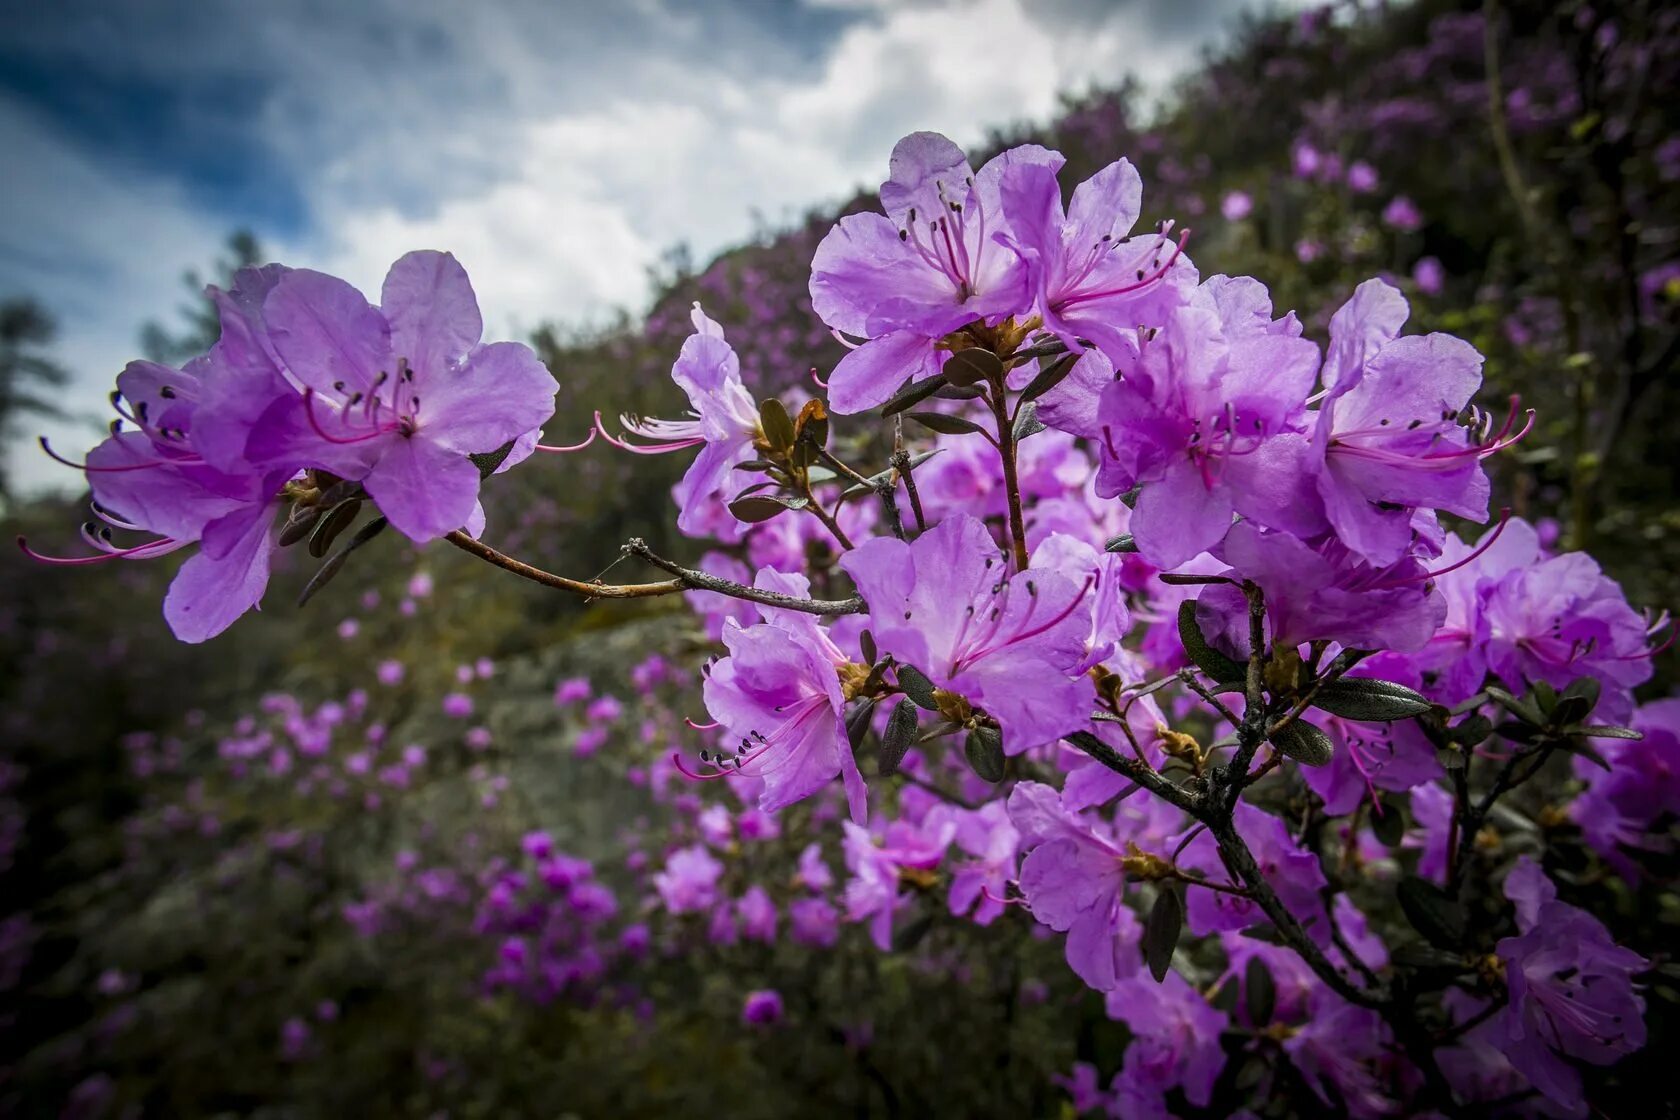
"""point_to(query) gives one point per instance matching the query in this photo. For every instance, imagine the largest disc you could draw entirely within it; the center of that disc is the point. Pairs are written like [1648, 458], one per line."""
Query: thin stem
[1005, 443]
[686, 580]
[901, 463]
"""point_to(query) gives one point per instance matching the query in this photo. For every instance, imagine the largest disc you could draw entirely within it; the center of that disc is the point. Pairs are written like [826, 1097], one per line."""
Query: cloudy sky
[558, 147]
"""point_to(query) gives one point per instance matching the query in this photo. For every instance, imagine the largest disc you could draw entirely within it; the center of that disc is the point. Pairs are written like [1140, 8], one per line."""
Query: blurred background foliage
[1512, 167]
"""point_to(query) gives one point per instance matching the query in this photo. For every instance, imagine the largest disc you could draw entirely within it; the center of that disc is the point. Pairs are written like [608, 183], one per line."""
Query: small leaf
[1303, 742]
[916, 686]
[984, 750]
[1370, 700]
[1215, 664]
[329, 527]
[972, 366]
[1049, 377]
[885, 476]
[1160, 932]
[298, 524]
[762, 507]
[1576, 703]
[1388, 824]
[1432, 912]
[1578, 744]
[1259, 991]
[755, 466]
[913, 395]
[812, 424]
[866, 643]
[899, 737]
[857, 723]
[1122, 543]
[947, 425]
[1609, 731]
[1522, 709]
[335, 562]
[960, 393]
[1264, 931]
[1471, 731]
[1418, 955]
[777, 425]
[488, 461]
[1450, 758]
[1027, 422]
[911, 935]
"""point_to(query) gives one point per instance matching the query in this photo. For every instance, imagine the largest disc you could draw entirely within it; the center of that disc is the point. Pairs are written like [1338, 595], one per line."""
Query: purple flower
[931, 264]
[814, 874]
[1370, 756]
[1089, 279]
[762, 1008]
[1072, 879]
[778, 695]
[688, 883]
[1006, 643]
[1175, 1044]
[980, 884]
[1083, 1087]
[1362, 177]
[1206, 422]
[1429, 275]
[873, 893]
[757, 915]
[1323, 593]
[1388, 430]
[1622, 809]
[406, 389]
[723, 423]
[814, 923]
[1571, 989]
[1292, 871]
[1402, 214]
[1236, 206]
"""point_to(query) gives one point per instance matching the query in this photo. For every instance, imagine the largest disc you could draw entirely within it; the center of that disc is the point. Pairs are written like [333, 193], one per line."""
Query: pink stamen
[160, 547]
[314, 422]
[821, 384]
[558, 450]
[147, 465]
[713, 726]
[643, 448]
[1504, 519]
[1148, 279]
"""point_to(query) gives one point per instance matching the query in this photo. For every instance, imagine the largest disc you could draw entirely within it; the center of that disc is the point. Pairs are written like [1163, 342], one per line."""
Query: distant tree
[199, 328]
[27, 376]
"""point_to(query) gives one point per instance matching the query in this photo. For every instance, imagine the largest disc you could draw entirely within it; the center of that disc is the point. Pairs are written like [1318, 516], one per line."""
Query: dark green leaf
[857, 722]
[1370, 700]
[885, 476]
[1049, 377]
[1122, 543]
[972, 366]
[916, 686]
[866, 643]
[1579, 744]
[1522, 709]
[1610, 731]
[335, 562]
[773, 418]
[754, 466]
[329, 527]
[762, 507]
[298, 524]
[900, 736]
[1160, 932]
[984, 750]
[1416, 954]
[1577, 702]
[488, 461]
[1388, 824]
[1215, 664]
[911, 935]
[912, 395]
[1027, 422]
[1303, 742]
[1264, 931]
[1260, 992]
[1471, 731]
[945, 424]
[1432, 912]
[960, 393]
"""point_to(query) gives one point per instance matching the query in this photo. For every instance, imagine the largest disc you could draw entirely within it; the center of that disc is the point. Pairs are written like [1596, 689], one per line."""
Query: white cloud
[557, 153]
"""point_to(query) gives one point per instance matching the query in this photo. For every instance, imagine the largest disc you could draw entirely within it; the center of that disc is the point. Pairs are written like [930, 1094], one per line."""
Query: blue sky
[557, 147]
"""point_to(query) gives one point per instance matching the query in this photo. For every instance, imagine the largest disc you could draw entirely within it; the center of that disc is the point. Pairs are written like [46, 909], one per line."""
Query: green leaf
[298, 524]
[866, 643]
[329, 527]
[900, 736]
[913, 395]
[1027, 422]
[885, 476]
[1522, 709]
[1260, 992]
[1264, 931]
[916, 686]
[1416, 954]
[1122, 543]
[972, 366]
[1215, 664]
[1049, 377]
[857, 723]
[1388, 823]
[1609, 731]
[1372, 701]
[1303, 742]
[984, 750]
[488, 461]
[1160, 932]
[335, 562]
[1577, 702]
[960, 393]
[946, 424]
[773, 418]
[1432, 912]
[762, 507]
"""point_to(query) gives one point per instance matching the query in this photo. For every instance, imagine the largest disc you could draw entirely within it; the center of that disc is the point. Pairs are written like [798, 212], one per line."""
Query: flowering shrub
[1161, 666]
